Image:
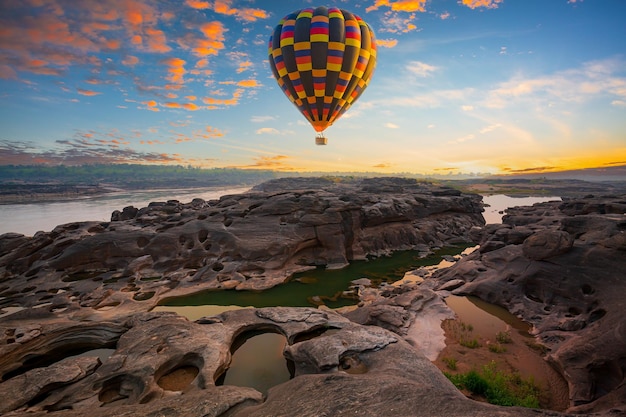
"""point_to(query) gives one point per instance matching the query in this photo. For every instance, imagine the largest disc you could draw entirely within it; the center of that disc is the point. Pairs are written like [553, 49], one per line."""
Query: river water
[28, 219]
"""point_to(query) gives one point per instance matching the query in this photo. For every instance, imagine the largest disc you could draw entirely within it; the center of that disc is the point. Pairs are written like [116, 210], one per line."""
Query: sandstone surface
[247, 241]
[560, 266]
[340, 368]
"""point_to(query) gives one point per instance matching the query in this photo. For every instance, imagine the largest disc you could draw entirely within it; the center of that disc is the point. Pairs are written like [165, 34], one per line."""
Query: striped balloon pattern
[323, 59]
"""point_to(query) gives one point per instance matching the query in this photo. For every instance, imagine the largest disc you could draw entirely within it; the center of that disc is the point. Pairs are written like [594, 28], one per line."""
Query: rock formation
[253, 240]
[353, 368]
[560, 266]
[91, 285]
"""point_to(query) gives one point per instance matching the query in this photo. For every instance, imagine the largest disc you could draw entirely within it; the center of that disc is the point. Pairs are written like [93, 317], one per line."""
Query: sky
[461, 86]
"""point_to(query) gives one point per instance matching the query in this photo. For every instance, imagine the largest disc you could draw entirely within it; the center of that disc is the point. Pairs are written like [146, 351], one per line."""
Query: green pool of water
[320, 286]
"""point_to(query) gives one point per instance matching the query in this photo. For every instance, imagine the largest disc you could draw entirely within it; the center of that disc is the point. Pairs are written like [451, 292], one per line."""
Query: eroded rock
[567, 279]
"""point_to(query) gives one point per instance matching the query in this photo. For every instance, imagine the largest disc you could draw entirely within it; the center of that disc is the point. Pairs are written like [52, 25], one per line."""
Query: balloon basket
[320, 139]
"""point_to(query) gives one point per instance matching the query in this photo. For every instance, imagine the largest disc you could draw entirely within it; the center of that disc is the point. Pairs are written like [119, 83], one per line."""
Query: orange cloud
[489, 4]
[400, 5]
[244, 66]
[276, 162]
[176, 69]
[387, 43]
[87, 92]
[234, 100]
[130, 61]
[197, 4]
[191, 106]
[151, 105]
[247, 14]
[248, 83]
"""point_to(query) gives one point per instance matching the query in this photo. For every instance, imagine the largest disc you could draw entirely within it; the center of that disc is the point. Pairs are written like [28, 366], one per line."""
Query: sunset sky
[499, 86]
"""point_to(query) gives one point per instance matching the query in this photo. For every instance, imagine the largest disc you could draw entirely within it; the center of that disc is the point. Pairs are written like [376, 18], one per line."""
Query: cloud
[267, 131]
[87, 92]
[196, 4]
[176, 69]
[382, 166]
[247, 14]
[214, 102]
[248, 83]
[420, 69]
[261, 119]
[130, 61]
[490, 128]
[444, 15]
[399, 5]
[473, 4]
[276, 162]
[594, 79]
[80, 151]
[391, 125]
[467, 107]
[387, 43]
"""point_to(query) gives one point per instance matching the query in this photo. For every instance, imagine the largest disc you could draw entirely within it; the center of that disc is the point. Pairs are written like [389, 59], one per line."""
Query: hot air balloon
[323, 59]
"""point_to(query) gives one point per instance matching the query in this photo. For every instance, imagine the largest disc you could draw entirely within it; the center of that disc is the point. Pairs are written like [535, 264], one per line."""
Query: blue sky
[498, 86]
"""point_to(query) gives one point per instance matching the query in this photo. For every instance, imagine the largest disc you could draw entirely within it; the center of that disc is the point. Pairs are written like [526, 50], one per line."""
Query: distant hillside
[608, 173]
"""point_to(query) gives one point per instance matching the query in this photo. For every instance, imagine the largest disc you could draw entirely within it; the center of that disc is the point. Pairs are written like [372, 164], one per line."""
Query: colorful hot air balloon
[323, 59]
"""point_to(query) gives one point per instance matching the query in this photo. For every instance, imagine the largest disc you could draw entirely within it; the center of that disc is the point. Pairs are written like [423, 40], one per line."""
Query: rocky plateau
[92, 285]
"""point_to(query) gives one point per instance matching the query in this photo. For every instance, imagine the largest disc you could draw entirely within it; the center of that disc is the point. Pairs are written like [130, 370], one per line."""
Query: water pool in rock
[257, 362]
[312, 288]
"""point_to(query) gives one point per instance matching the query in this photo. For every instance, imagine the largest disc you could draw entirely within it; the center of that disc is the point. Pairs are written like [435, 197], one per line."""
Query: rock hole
[142, 241]
[59, 353]
[574, 311]
[587, 289]
[122, 389]
[202, 235]
[143, 296]
[202, 217]
[178, 379]
[258, 362]
[217, 266]
[313, 333]
[352, 364]
[596, 315]
[228, 222]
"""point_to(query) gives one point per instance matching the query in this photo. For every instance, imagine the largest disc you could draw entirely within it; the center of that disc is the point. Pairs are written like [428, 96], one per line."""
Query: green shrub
[503, 337]
[450, 363]
[498, 387]
[497, 348]
[470, 343]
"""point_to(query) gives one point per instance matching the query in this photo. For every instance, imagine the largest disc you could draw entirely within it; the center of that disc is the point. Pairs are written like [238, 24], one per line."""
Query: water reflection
[487, 319]
[258, 362]
[331, 288]
[499, 202]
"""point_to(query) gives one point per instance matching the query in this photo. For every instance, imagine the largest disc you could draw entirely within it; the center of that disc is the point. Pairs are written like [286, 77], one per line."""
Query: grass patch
[497, 348]
[498, 387]
[450, 363]
[503, 337]
[470, 343]
[541, 349]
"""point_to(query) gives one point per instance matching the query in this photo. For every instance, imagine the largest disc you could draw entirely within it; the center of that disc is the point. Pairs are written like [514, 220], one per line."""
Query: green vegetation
[541, 349]
[498, 387]
[497, 348]
[470, 343]
[450, 363]
[132, 176]
[503, 337]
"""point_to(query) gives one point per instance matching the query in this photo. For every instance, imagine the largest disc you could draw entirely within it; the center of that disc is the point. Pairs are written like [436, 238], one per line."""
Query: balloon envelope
[323, 59]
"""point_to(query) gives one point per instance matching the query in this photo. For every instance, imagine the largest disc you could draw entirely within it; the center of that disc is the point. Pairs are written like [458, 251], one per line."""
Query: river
[28, 219]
